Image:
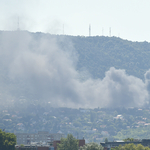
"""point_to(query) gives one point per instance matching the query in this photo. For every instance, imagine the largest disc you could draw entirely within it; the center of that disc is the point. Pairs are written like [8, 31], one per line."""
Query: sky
[128, 19]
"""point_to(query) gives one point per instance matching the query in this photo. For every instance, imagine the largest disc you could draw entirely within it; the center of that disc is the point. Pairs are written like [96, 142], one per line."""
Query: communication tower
[89, 30]
[18, 24]
[110, 31]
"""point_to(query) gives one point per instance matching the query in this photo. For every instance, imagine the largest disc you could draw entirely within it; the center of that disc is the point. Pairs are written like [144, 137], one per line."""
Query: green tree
[140, 147]
[129, 139]
[69, 143]
[91, 146]
[106, 140]
[21, 145]
[7, 141]
[147, 148]
[130, 146]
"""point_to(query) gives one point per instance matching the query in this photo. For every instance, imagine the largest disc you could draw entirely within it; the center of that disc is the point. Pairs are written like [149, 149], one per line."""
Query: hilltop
[98, 54]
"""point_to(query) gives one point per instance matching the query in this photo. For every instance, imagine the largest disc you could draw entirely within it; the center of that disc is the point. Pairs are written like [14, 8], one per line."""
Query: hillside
[56, 68]
[98, 54]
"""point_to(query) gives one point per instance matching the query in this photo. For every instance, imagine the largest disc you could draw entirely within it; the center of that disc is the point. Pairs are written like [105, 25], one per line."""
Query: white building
[40, 137]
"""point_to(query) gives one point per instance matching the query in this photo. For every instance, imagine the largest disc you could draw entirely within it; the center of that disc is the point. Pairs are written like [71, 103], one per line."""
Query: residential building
[40, 137]
[34, 147]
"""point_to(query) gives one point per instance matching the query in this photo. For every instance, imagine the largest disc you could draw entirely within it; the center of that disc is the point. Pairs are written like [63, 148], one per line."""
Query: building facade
[40, 137]
[34, 147]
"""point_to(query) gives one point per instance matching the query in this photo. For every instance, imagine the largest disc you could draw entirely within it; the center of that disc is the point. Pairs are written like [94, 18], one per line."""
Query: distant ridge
[97, 54]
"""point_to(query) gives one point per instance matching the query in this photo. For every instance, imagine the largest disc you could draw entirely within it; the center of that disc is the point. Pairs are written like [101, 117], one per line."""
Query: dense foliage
[91, 146]
[97, 54]
[69, 143]
[138, 133]
[131, 146]
[92, 124]
[7, 141]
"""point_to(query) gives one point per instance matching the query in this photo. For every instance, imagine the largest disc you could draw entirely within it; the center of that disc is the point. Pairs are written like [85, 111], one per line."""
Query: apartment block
[40, 137]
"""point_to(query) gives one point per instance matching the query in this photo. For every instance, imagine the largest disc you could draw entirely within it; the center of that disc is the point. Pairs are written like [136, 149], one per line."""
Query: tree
[140, 147]
[129, 139]
[7, 141]
[21, 145]
[131, 146]
[91, 146]
[69, 143]
[106, 140]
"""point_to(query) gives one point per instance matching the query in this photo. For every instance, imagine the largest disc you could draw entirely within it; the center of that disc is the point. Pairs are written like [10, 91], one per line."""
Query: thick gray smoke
[38, 69]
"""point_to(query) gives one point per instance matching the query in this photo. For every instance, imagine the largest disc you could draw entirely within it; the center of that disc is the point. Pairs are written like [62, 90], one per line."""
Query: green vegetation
[131, 146]
[137, 133]
[80, 123]
[21, 145]
[97, 54]
[91, 146]
[7, 141]
[128, 139]
[69, 143]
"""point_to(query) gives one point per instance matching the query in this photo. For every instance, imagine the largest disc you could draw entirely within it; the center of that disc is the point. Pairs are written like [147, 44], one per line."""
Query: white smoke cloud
[37, 68]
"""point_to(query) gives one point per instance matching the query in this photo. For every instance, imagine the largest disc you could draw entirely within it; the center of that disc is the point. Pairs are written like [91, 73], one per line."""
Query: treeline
[131, 146]
[71, 143]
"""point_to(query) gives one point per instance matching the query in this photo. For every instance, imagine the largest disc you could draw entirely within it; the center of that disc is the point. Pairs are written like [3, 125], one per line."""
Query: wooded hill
[93, 55]
[97, 54]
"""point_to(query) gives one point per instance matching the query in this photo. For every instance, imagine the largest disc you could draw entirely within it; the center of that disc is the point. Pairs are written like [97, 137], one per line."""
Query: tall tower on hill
[18, 25]
[89, 30]
[110, 31]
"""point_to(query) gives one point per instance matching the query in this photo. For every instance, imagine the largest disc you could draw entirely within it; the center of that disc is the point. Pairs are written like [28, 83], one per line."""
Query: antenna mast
[110, 31]
[89, 30]
[18, 24]
[102, 31]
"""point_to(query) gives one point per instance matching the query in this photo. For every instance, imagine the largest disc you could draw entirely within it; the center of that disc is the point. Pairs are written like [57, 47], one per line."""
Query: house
[118, 117]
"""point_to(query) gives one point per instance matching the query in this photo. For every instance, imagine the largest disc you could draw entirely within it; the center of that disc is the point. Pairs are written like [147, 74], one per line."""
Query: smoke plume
[37, 68]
